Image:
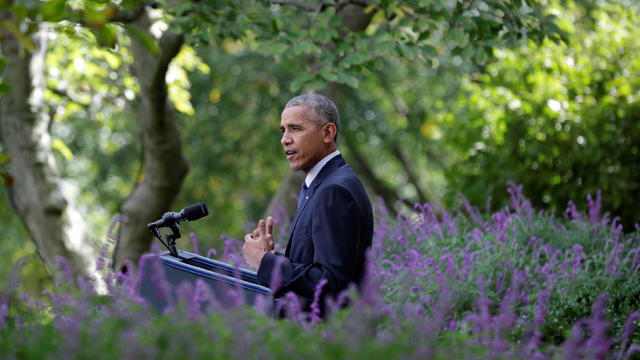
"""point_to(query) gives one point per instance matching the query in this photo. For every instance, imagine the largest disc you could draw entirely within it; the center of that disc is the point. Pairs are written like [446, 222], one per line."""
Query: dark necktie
[303, 193]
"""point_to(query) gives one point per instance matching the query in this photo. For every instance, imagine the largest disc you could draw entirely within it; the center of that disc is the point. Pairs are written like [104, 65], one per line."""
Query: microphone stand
[171, 238]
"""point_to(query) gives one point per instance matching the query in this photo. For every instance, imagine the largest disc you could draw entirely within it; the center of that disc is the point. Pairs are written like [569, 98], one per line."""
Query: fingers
[263, 234]
[269, 225]
[261, 228]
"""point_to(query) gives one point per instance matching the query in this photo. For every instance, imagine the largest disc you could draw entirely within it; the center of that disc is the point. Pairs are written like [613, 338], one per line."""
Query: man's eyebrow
[290, 125]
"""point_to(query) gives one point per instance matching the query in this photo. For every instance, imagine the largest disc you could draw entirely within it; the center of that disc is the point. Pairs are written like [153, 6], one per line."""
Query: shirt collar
[315, 170]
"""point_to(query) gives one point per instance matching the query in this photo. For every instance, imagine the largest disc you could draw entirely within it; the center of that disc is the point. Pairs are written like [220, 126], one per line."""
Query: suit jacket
[331, 232]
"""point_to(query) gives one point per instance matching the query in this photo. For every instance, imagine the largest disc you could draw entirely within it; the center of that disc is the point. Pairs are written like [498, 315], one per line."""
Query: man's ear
[329, 132]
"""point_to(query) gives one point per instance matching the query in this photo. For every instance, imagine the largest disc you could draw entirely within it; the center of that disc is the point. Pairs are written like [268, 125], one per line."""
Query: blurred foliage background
[559, 117]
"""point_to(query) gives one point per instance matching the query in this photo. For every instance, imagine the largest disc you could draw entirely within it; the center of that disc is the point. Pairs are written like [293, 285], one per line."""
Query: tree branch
[170, 44]
[68, 95]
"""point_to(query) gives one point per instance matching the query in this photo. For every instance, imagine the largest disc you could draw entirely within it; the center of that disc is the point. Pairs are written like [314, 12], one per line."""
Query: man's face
[303, 139]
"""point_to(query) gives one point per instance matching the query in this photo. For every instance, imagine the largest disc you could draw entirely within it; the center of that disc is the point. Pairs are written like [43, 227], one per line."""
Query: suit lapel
[327, 169]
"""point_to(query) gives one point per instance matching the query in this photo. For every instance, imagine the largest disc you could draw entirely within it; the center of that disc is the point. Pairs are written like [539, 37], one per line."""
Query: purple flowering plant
[516, 283]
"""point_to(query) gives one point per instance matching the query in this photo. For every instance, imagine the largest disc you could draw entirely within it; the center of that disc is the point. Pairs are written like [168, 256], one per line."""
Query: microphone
[190, 213]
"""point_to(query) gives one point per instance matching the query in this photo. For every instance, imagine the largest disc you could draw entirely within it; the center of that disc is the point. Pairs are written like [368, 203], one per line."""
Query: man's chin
[293, 166]
[297, 166]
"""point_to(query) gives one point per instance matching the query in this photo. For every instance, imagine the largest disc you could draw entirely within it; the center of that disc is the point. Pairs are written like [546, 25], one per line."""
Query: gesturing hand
[258, 242]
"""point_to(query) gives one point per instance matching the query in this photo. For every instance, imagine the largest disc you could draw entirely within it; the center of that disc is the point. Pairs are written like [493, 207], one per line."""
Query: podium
[165, 271]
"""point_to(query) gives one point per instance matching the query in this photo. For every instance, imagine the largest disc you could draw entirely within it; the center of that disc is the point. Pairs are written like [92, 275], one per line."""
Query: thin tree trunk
[36, 192]
[408, 168]
[165, 163]
[388, 195]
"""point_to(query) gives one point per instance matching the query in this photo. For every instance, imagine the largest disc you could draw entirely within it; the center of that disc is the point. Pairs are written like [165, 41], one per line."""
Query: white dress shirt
[315, 170]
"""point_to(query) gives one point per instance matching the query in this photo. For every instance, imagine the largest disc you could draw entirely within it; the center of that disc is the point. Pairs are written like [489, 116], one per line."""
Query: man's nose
[285, 139]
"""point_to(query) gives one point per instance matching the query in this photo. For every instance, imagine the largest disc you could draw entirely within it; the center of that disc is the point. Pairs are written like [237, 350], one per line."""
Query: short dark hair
[322, 106]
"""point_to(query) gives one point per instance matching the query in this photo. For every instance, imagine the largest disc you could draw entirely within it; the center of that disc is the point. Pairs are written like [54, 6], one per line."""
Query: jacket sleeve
[335, 233]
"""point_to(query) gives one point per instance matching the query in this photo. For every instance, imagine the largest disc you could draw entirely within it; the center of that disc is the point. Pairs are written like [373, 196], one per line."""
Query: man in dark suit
[333, 225]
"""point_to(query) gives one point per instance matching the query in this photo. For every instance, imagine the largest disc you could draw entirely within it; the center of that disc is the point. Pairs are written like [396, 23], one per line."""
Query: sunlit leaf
[214, 95]
[62, 148]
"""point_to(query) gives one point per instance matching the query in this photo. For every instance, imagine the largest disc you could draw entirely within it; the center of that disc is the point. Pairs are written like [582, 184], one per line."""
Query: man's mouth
[290, 153]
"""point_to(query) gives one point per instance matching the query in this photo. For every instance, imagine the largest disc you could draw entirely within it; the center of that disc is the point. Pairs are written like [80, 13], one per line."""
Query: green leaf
[323, 36]
[275, 26]
[328, 75]
[3, 63]
[348, 79]
[456, 51]
[276, 48]
[20, 13]
[316, 84]
[4, 88]
[145, 38]
[94, 18]
[460, 37]
[385, 47]
[306, 47]
[354, 59]
[424, 35]
[378, 17]
[54, 10]
[407, 51]
[62, 148]
[468, 52]
[481, 56]
[330, 12]
[131, 4]
[27, 42]
[107, 36]
[429, 50]
[299, 81]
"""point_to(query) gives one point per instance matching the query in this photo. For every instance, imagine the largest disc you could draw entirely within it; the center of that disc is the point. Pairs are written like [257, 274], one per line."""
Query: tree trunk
[165, 163]
[36, 192]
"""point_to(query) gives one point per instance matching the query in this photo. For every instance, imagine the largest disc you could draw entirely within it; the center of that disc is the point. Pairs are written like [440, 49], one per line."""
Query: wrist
[259, 257]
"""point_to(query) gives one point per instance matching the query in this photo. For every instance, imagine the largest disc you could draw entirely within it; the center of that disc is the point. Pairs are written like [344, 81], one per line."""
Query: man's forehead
[295, 114]
[296, 110]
